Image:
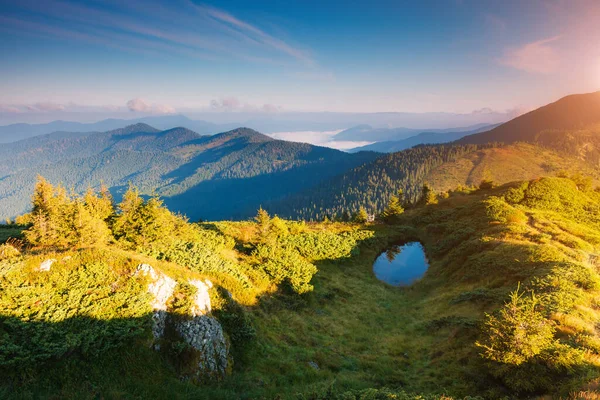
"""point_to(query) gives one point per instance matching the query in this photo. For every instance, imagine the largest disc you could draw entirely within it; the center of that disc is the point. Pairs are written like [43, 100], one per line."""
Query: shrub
[518, 333]
[8, 251]
[500, 211]
[285, 264]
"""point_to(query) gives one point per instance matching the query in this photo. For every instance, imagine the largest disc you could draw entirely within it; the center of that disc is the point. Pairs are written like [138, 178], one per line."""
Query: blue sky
[351, 56]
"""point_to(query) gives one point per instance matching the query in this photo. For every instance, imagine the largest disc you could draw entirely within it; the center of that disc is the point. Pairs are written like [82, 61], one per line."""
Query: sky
[131, 58]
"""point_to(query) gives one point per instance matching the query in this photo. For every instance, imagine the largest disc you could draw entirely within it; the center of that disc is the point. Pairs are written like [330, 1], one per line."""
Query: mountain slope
[228, 175]
[569, 113]
[443, 167]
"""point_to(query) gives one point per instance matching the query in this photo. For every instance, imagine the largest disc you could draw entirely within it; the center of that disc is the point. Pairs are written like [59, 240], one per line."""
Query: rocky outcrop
[45, 266]
[205, 335]
[199, 330]
[161, 287]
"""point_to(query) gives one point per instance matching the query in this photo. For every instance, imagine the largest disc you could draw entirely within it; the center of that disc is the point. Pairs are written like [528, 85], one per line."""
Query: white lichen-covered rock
[202, 332]
[45, 266]
[161, 287]
[202, 298]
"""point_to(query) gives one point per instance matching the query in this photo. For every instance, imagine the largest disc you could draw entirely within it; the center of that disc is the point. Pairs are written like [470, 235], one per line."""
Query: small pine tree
[519, 333]
[361, 216]
[86, 229]
[394, 208]
[49, 216]
[142, 224]
[263, 220]
[101, 206]
[427, 196]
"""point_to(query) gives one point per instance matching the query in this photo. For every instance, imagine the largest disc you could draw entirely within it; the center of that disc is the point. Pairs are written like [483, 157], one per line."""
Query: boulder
[208, 352]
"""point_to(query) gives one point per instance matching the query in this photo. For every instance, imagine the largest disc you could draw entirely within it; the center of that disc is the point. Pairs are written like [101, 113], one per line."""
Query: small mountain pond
[401, 265]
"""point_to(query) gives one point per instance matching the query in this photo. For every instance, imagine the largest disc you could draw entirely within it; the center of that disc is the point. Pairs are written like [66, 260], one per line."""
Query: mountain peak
[247, 134]
[139, 127]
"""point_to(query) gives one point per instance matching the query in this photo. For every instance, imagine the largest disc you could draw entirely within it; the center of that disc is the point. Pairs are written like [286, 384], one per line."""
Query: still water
[401, 265]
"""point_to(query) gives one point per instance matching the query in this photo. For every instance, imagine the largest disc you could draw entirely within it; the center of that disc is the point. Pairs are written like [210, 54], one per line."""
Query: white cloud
[46, 107]
[225, 104]
[537, 57]
[140, 105]
[235, 104]
[9, 109]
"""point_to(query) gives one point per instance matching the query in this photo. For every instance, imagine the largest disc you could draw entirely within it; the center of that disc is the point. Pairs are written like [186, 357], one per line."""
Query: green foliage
[519, 333]
[428, 196]
[500, 211]
[8, 251]
[285, 264]
[145, 224]
[86, 304]
[324, 245]
[394, 208]
[59, 220]
[263, 221]
[361, 216]
[515, 195]
[373, 184]
[374, 394]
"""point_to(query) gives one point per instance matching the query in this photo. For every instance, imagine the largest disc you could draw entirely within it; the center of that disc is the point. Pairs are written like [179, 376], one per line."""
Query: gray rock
[205, 334]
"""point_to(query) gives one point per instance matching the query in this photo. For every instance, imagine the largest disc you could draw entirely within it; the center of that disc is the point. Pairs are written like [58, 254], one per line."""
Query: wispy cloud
[47, 107]
[142, 106]
[539, 57]
[257, 34]
[10, 109]
[200, 31]
[232, 104]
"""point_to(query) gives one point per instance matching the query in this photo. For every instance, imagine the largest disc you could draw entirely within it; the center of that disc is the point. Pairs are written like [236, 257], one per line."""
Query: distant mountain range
[428, 137]
[16, 132]
[228, 175]
[264, 122]
[563, 136]
[367, 133]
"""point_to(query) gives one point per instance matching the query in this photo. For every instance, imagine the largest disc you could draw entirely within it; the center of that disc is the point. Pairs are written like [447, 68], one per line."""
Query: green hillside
[301, 310]
[442, 167]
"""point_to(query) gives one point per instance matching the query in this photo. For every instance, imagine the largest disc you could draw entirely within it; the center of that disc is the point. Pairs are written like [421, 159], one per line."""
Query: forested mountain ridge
[200, 176]
[443, 167]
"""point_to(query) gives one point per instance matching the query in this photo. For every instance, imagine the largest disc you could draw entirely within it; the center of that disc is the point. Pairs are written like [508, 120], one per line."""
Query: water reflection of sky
[401, 265]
